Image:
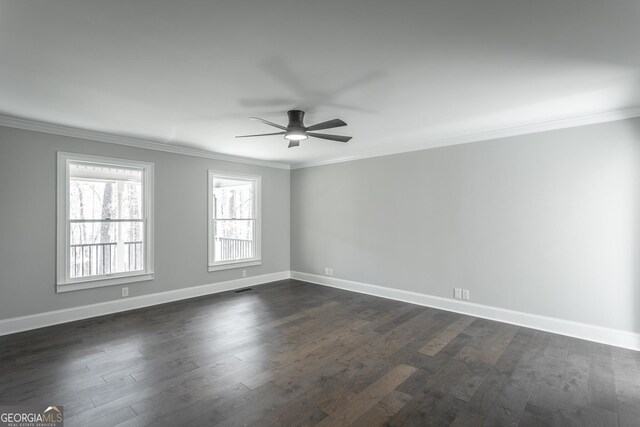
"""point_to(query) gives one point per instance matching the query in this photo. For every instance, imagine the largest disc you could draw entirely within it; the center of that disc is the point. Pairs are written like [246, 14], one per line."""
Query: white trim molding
[256, 259]
[524, 129]
[55, 129]
[64, 281]
[40, 320]
[614, 337]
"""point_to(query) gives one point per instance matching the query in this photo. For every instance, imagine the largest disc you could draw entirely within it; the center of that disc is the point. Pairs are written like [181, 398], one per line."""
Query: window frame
[64, 283]
[257, 204]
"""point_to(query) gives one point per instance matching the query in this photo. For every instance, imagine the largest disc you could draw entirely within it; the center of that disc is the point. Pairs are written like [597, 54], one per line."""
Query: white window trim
[63, 282]
[257, 259]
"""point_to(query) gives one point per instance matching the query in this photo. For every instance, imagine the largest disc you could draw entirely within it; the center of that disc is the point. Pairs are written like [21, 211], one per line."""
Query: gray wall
[27, 221]
[544, 223]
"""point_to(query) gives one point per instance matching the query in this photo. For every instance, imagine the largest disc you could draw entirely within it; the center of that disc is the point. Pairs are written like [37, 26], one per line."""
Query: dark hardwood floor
[292, 353]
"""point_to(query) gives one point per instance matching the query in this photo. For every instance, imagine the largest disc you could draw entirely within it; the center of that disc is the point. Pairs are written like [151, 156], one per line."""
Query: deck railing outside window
[93, 259]
[232, 249]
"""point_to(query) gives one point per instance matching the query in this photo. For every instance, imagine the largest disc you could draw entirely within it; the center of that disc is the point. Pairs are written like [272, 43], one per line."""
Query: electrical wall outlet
[459, 293]
[328, 271]
[244, 273]
[125, 292]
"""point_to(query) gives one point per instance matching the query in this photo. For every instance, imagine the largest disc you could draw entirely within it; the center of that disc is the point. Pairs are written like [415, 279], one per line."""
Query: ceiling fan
[296, 131]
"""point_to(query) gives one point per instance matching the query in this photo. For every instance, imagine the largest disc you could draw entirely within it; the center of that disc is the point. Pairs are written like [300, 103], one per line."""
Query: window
[234, 220]
[105, 223]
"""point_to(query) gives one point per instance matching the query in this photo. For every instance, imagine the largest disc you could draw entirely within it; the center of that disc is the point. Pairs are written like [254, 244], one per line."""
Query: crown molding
[529, 128]
[26, 124]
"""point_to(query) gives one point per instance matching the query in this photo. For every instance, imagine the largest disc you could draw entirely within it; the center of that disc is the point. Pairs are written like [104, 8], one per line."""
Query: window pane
[233, 198]
[233, 232]
[100, 192]
[91, 199]
[102, 247]
[131, 201]
[233, 240]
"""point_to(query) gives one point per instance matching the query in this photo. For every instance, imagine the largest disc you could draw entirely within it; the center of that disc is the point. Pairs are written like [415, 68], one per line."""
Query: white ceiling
[400, 72]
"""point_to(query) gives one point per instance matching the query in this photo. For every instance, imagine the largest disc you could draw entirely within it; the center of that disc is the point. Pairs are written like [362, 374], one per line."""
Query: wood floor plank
[362, 402]
[602, 390]
[293, 353]
[468, 419]
[438, 343]
[383, 411]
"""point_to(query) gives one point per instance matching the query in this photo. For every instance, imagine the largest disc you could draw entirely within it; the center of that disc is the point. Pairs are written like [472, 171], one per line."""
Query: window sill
[101, 282]
[239, 264]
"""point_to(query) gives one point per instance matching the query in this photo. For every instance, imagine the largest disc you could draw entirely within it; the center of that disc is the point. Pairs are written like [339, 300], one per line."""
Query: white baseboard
[615, 337]
[49, 318]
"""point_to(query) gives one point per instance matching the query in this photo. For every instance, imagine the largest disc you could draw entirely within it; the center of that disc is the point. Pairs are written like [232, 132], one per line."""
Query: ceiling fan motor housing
[296, 129]
[296, 119]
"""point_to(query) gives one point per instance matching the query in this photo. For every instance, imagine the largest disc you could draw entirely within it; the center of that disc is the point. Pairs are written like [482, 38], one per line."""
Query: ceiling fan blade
[335, 123]
[338, 138]
[267, 122]
[260, 134]
[293, 144]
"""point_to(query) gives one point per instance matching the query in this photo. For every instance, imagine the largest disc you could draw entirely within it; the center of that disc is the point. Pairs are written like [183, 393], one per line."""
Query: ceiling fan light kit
[296, 131]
